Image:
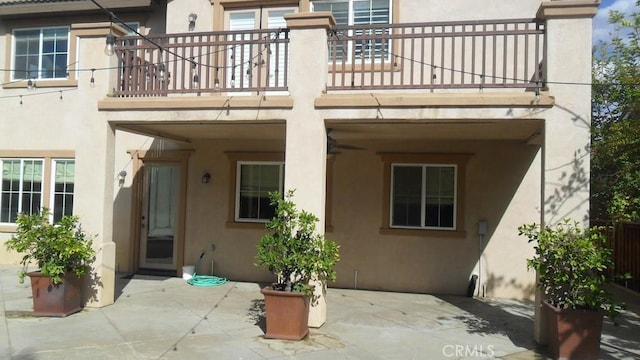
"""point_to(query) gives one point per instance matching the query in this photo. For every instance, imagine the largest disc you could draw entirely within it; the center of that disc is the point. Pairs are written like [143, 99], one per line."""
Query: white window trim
[350, 21]
[349, 50]
[52, 187]
[422, 226]
[13, 52]
[20, 186]
[239, 164]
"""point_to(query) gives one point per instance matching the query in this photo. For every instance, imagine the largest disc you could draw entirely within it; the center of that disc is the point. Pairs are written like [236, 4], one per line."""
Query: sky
[601, 27]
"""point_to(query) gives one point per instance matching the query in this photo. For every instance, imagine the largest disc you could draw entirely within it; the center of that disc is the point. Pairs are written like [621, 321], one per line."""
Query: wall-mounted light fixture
[206, 177]
[122, 175]
[192, 21]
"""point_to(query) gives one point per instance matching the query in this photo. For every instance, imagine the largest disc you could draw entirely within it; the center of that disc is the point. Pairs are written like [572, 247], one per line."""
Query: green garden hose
[205, 280]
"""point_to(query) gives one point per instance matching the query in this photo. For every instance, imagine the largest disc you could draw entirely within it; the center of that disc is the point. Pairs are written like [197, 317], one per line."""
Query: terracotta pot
[58, 300]
[573, 334]
[287, 314]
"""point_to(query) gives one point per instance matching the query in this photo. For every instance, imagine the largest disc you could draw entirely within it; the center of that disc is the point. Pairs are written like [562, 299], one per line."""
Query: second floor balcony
[427, 57]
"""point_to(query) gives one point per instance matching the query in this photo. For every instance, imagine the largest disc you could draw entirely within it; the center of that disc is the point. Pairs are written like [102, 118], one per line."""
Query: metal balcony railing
[443, 55]
[231, 61]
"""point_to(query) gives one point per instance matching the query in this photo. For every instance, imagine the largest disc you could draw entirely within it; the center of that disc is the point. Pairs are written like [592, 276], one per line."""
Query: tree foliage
[615, 160]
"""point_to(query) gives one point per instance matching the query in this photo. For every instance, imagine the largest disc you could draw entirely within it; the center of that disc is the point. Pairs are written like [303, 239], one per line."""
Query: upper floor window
[22, 189]
[359, 13]
[356, 12]
[255, 180]
[41, 53]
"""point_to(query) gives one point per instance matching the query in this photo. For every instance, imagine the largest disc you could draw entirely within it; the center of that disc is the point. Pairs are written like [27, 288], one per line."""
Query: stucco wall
[68, 121]
[502, 187]
[507, 183]
[420, 11]
[178, 15]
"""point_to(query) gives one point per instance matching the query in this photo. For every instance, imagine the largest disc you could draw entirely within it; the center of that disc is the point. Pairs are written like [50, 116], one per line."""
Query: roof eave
[67, 6]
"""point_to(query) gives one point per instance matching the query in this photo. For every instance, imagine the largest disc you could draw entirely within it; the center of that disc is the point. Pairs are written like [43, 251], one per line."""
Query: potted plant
[62, 252]
[571, 264]
[297, 255]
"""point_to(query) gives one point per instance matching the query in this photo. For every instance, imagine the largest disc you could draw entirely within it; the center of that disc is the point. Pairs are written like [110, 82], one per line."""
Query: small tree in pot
[62, 252]
[571, 264]
[297, 255]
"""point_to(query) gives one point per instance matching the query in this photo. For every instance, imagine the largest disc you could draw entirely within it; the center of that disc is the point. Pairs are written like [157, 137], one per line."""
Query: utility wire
[250, 62]
[343, 37]
[113, 17]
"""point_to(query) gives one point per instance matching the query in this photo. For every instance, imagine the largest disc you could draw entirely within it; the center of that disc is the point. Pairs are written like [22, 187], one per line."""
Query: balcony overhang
[21, 7]
[189, 131]
[196, 103]
[435, 100]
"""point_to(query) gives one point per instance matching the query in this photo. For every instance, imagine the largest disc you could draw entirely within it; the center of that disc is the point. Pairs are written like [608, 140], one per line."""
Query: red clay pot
[573, 334]
[57, 300]
[287, 314]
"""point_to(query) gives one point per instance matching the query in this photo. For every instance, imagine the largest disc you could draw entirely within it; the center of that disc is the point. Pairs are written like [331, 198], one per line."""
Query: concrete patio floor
[165, 318]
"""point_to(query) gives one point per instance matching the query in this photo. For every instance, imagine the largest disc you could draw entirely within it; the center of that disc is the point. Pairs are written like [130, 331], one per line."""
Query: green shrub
[57, 249]
[572, 265]
[292, 249]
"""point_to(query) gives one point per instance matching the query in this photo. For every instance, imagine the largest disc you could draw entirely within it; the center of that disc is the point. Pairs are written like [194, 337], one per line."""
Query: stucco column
[95, 153]
[566, 167]
[306, 141]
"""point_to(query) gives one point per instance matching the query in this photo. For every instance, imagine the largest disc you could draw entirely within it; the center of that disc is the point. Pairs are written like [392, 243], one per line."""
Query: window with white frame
[359, 12]
[255, 180]
[40, 53]
[63, 187]
[22, 188]
[423, 196]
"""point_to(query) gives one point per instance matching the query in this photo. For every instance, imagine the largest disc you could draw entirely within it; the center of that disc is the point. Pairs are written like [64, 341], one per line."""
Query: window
[63, 186]
[238, 75]
[424, 193]
[22, 188]
[254, 182]
[359, 12]
[423, 196]
[356, 12]
[40, 53]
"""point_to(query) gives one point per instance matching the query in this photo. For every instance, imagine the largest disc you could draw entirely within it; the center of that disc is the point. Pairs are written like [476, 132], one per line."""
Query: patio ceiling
[352, 130]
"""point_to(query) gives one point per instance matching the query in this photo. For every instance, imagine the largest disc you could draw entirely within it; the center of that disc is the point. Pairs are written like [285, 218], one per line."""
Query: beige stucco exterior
[524, 159]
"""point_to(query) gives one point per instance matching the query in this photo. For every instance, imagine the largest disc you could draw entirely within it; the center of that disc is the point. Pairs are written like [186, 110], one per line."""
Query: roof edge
[52, 6]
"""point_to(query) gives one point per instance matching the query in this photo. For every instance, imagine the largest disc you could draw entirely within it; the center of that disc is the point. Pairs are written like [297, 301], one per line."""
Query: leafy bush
[571, 263]
[57, 249]
[293, 250]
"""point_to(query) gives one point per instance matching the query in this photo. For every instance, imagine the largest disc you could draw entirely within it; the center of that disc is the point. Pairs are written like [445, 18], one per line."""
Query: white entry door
[158, 241]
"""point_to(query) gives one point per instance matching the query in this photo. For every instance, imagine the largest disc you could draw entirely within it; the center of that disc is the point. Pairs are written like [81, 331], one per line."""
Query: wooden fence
[624, 240]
